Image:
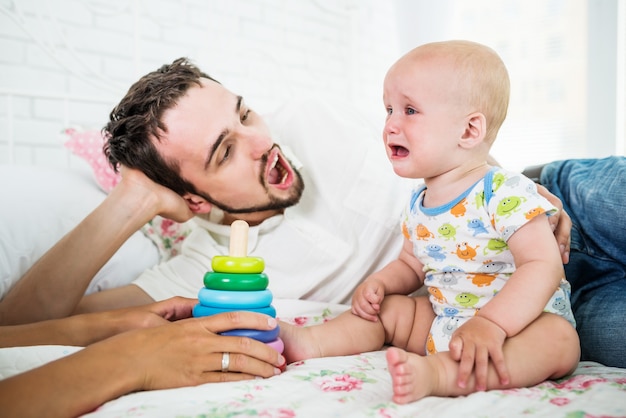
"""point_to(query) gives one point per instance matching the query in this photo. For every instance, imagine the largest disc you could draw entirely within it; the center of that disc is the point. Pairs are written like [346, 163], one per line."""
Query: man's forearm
[55, 283]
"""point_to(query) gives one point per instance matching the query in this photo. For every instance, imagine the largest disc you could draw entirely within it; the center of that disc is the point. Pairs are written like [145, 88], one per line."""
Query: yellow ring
[228, 264]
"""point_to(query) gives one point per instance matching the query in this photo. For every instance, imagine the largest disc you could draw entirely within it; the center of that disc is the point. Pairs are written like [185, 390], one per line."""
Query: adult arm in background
[86, 329]
[182, 353]
[56, 283]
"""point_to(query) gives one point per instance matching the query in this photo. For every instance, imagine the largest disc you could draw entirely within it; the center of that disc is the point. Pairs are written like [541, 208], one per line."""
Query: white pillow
[39, 206]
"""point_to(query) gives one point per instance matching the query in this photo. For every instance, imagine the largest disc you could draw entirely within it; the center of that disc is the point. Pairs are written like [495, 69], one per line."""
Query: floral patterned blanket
[360, 386]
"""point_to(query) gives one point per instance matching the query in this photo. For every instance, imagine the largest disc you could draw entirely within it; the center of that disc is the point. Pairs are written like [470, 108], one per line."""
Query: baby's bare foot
[412, 376]
[299, 343]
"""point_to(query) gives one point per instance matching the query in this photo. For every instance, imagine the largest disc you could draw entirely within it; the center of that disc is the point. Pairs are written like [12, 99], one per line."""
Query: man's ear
[475, 130]
[197, 204]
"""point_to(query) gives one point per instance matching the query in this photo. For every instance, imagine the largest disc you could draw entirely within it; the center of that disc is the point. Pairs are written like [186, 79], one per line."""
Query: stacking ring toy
[277, 345]
[235, 299]
[200, 310]
[240, 282]
[228, 264]
[255, 334]
[237, 283]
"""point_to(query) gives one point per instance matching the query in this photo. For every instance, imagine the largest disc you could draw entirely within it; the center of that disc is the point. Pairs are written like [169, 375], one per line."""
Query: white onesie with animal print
[463, 246]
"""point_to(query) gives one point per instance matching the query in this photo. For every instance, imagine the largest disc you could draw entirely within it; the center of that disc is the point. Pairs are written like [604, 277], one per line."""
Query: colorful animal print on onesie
[463, 246]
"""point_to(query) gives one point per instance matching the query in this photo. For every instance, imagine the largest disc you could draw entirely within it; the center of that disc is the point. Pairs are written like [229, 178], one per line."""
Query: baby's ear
[197, 204]
[475, 130]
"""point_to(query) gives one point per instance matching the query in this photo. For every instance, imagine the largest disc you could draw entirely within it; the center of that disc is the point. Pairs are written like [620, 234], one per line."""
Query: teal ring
[200, 310]
[234, 299]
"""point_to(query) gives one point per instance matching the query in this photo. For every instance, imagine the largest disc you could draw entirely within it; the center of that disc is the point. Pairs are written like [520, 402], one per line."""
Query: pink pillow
[88, 145]
[167, 235]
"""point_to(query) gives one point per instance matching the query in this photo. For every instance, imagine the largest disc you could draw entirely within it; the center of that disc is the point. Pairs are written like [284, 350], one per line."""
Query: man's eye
[245, 115]
[226, 153]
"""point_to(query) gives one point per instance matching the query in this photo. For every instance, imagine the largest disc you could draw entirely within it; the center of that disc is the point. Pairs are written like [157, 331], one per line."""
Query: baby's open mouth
[398, 151]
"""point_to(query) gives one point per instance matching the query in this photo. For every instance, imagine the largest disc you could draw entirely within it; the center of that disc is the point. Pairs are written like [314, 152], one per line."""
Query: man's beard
[274, 203]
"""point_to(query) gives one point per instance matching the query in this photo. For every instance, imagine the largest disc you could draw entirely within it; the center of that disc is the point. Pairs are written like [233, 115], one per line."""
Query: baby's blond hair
[482, 78]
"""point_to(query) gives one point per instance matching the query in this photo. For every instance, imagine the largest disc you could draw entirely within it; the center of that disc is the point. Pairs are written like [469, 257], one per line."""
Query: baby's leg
[351, 334]
[343, 335]
[547, 349]
[407, 322]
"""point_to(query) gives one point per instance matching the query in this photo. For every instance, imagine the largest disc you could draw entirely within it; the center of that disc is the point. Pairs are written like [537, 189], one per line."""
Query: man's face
[225, 150]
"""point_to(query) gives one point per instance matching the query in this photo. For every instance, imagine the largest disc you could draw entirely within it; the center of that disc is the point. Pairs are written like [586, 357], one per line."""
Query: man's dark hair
[136, 122]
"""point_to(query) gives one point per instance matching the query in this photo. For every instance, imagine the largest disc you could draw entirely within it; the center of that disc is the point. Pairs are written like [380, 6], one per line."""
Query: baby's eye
[244, 115]
[389, 111]
[410, 111]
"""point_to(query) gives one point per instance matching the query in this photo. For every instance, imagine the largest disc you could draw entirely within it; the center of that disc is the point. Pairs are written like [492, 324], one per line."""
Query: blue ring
[235, 299]
[255, 334]
[200, 310]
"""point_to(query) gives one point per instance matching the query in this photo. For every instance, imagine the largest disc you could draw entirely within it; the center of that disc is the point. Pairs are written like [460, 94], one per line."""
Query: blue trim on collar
[488, 179]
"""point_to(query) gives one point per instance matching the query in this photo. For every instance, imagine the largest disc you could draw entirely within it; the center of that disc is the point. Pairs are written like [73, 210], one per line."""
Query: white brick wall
[267, 50]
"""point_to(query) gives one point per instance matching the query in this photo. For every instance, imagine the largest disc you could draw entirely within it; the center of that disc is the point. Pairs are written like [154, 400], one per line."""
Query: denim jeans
[593, 192]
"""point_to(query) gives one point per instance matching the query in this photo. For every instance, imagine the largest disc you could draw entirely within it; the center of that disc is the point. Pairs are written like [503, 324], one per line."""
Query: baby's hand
[474, 345]
[367, 299]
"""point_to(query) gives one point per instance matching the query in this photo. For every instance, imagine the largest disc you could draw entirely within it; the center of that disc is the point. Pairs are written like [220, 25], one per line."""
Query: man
[219, 162]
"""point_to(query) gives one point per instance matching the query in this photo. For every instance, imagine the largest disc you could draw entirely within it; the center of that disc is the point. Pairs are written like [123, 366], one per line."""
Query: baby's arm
[537, 276]
[403, 275]
[521, 300]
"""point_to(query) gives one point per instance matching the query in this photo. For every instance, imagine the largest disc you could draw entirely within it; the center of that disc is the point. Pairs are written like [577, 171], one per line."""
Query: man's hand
[560, 222]
[166, 203]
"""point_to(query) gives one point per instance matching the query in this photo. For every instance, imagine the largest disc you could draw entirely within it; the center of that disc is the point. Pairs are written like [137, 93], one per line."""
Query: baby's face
[425, 116]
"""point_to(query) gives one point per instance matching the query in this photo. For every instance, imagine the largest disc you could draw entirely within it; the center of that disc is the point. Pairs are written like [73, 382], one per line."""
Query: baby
[478, 237]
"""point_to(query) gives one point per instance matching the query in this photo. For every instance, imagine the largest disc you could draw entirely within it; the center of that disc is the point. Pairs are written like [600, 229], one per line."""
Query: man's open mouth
[279, 171]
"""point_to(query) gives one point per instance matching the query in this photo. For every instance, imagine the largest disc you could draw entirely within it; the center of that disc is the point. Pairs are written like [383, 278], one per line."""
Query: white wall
[270, 50]
[266, 50]
[565, 59]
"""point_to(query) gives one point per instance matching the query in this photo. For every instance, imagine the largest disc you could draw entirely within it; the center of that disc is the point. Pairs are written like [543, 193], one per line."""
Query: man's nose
[258, 141]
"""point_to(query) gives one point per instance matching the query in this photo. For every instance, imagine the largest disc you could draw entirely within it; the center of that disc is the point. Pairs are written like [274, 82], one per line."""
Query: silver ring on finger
[225, 361]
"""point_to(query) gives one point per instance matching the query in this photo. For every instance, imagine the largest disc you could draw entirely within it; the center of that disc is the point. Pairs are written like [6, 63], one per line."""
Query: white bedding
[38, 205]
[349, 386]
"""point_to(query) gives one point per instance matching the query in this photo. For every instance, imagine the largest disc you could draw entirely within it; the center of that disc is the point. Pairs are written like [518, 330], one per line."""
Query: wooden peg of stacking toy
[239, 239]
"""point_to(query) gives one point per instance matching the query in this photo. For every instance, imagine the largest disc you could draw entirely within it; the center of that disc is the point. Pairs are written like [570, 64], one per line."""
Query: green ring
[228, 264]
[233, 281]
